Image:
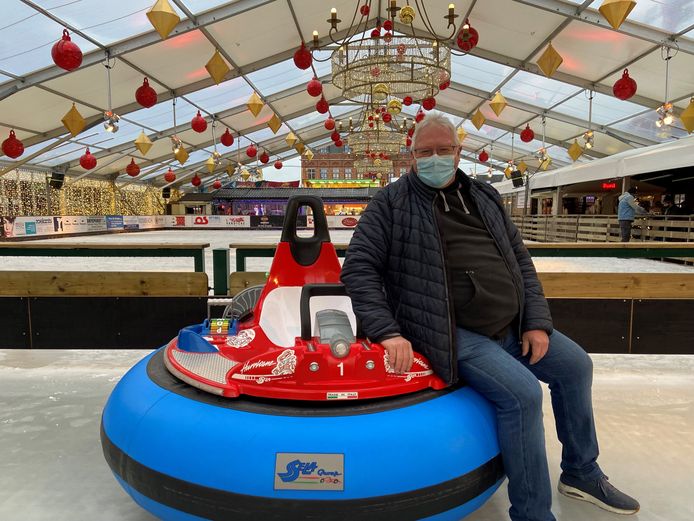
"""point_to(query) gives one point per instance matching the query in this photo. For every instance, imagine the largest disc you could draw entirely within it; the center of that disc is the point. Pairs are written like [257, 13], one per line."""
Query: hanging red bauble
[329, 124]
[483, 156]
[371, 124]
[88, 161]
[407, 101]
[227, 139]
[429, 103]
[196, 180]
[251, 151]
[383, 109]
[132, 169]
[146, 95]
[198, 123]
[339, 143]
[382, 155]
[373, 155]
[364, 10]
[388, 37]
[376, 33]
[370, 118]
[314, 87]
[264, 157]
[12, 147]
[468, 37]
[401, 49]
[302, 57]
[217, 184]
[335, 136]
[408, 142]
[625, 87]
[278, 164]
[410, 132]
[322, 105]
[66, 54]
[420, 116]
[527, 134]
[388, 25]
[169, 176]
[375, 71]
[387, 118]
[445, 85]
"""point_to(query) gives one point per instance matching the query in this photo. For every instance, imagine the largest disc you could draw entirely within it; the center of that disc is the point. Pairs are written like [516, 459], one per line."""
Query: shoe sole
[575, 493]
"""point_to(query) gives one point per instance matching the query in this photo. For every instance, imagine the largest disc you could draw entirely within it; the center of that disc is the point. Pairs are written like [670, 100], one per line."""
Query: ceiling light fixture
[111, 119]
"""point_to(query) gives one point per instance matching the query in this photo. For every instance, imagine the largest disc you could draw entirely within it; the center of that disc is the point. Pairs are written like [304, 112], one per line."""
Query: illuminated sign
[609, 186]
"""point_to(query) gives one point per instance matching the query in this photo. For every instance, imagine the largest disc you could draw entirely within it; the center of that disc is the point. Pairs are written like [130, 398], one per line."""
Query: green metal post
[220, 267]
[199, 256]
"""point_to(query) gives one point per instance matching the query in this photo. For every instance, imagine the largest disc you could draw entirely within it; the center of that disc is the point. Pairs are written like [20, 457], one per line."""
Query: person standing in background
[626, 212]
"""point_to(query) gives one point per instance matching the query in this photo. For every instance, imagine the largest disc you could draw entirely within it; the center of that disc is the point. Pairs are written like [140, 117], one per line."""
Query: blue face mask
[436, 171]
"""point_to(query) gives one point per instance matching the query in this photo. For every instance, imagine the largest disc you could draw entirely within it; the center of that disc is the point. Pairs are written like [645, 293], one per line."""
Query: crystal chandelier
[379, 168]
[372, 66]
[373, 138]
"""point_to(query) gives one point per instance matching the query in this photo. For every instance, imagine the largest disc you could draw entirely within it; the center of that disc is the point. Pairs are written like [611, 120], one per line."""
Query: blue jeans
[496, 369]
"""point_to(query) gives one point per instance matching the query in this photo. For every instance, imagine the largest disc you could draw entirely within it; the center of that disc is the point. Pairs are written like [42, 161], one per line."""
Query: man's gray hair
[435, 119]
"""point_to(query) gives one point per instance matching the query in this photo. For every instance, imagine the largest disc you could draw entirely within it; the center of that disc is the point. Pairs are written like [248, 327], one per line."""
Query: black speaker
[166, 192]
[517, 178]
[57, 180]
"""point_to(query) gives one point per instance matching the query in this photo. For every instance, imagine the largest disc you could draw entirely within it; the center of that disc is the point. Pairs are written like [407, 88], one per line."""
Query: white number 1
[341, 365]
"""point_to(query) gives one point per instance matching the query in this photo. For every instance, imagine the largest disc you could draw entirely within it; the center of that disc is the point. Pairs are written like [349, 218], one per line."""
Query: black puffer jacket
[395, 274]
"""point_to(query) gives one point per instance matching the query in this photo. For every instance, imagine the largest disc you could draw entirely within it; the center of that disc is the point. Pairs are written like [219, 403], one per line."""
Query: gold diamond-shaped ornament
[550, 61]
[498, 103]
[231, 169]
[508, 171]
[255, 104]
[308, 154]
[687, 116]
[143, 143]
[181, 155]
[245, 175]
[275, 123]
[290, 139]
[299, 147]
[210, 164]
[461, 134]
[478, 119]
[575, 150]
[616, 11]
[163, 18]
[217, 67]
[522, 167]
[74, 121]
[544, 165]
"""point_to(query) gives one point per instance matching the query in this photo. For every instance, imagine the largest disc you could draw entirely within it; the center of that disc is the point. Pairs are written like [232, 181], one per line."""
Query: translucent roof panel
[315, 117]
[285, 74]
[644, 125]
[160, 117]
[606, 109]
[537, 90]
[478, 73]
[105, 22]
[198, 6]
[671, 16]
[217, 98]
[485, 130]
[27, 38]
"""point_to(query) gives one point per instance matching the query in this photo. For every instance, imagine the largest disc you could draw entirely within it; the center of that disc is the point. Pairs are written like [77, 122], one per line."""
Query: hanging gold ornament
[687, 116]
[461, 134]
[550, 61]
[255, 104]
[381, 92]
[507, 172]
[299, 147]
[498, 103]
[575, 150]
[217, 67]
[181, 154]
[163, 18]
[290, 139]
[74, 121]
[522, 167]
[308, 154]
[394, 107]
[210, 164]
[231, 169]
[377, 162]
[544, 164]
[245, 175]
[478, 119]
[616, 11]
[275, 123]
[407, 14]
[259, 173]
[143, 143]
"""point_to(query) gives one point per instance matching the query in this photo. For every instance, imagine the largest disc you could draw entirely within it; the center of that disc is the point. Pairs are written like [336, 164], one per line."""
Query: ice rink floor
[52, 468]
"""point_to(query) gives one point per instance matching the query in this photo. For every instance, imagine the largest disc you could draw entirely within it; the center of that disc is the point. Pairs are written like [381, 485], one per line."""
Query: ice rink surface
[222, 239]
[52, 468]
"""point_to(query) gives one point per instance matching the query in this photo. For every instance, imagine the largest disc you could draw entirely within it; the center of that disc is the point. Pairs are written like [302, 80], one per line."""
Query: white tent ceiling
[258, 38]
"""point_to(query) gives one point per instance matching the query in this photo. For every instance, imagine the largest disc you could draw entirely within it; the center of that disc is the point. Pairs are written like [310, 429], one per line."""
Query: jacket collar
[427, 192]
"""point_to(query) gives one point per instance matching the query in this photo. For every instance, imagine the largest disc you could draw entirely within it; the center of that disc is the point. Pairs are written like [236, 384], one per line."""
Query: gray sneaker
[599, 492]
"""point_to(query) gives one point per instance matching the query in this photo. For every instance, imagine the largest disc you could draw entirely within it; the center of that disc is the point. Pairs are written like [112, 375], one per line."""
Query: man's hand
[538, 341]
[400, 353]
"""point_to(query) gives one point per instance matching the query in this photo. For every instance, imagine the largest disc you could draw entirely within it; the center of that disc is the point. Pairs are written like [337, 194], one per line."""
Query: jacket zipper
[452, 358]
